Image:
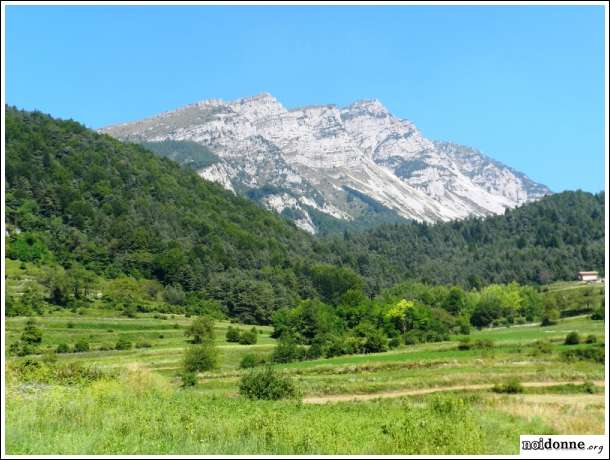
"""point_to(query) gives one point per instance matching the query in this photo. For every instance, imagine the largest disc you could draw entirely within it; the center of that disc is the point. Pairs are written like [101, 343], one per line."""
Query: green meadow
[137, 406]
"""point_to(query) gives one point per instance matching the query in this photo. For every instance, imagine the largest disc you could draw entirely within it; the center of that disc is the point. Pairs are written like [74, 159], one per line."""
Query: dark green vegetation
[537, 243]
[86, 207]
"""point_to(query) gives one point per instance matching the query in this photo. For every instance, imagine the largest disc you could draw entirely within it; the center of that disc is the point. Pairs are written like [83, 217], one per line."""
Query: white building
[588, 276]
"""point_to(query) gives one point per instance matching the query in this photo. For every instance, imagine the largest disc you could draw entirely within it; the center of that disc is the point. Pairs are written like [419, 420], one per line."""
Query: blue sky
[524, 84]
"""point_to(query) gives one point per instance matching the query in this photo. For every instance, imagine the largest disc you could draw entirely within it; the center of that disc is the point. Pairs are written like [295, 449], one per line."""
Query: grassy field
[142, 409]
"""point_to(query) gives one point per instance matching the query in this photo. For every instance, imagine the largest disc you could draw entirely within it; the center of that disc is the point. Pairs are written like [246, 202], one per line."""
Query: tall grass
[141, 413]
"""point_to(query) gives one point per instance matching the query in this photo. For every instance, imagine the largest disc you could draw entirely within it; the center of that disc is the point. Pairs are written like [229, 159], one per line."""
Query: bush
[513, 386]
[189, 379]
[267, 383]
[31, 334]
[123, 344]
[599, 314]
[394, 342]
[591, 339]
[201, 330]
[70, 325]
[199, 358]
[464, 344]
[250, 360]
[143, 344]
[595, 353]
[232, 334]
[287, 351]
[540, 347]
[248, 337]
[81, 346]
[62, 348]
[572, 338]
[484, 344]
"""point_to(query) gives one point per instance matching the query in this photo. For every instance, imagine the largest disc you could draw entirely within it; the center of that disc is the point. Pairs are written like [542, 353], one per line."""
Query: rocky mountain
[320, 163]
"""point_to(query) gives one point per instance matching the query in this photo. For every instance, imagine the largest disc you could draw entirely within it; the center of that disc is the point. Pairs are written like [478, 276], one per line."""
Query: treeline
[549, 240]
[413, 312]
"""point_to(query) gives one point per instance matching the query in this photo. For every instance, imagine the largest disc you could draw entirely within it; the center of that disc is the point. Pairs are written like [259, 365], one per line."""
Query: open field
[143, 410]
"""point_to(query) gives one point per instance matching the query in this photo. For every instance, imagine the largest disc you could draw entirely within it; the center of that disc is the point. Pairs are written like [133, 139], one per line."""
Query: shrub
[31, 334]
[70, 325]
[513, 386]
[232, 334]
[62, 348]
[199, 358]
[484, 344]
[81, 346]
[541, 347]
[249, 360]
[287, 351]
[201, 330]
[394, 342]
[595, 353]
[591, 339]
[189, 379]
[123, 344]
[464, 344]
[599, 314]
[267, 383]
[248, 338]
[143, 344]
[572, 338]
[49, 357]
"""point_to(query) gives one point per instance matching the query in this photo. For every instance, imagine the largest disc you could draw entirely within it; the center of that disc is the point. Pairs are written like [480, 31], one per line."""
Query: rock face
[341, 162]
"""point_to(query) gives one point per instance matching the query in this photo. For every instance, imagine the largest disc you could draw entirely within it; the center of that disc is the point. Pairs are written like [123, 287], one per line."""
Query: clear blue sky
[523, 84]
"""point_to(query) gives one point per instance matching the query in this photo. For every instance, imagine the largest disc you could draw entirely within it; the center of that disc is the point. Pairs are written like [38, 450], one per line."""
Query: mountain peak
[348, 162]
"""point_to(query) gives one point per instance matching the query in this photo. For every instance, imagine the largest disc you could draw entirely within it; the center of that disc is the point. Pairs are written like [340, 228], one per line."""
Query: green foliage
[232, 334]
[250, 360]
[248, 337]
[123, 344]
[188, 379]
[512, 386]
[541, 347]
[82, 345]
[117, 209]
[63, 348]
[591, 338]
[201, 330]
[201, 358]
[572, 338]
[31, 335]
[599, 314]
[267, 383]
[143, 344]
[551, 239]
[333, 282]
[287, 351]
[595, 353]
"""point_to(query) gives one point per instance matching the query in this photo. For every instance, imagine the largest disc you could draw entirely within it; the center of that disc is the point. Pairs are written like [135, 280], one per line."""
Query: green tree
[31, 335]
[201, 330]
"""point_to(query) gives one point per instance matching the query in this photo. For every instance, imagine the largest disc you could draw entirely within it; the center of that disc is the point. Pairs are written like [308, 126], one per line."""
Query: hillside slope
[551, 239]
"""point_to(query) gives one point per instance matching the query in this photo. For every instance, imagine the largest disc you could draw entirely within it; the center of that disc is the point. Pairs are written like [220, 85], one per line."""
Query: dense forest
[537, 243]
[85, 204]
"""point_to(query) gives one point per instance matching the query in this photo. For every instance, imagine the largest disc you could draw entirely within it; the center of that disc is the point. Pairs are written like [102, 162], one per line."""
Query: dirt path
[397, 394]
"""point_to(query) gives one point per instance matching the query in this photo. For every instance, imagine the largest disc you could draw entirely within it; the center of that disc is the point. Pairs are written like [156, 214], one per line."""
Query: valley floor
[441, 396]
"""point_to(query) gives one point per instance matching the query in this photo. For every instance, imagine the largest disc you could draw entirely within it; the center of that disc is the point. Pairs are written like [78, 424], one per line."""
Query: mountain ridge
[314, 152]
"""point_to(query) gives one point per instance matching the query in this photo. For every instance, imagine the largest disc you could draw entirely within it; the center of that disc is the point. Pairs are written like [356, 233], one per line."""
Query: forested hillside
[77, 197]
[87, 203]
[548, 240]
